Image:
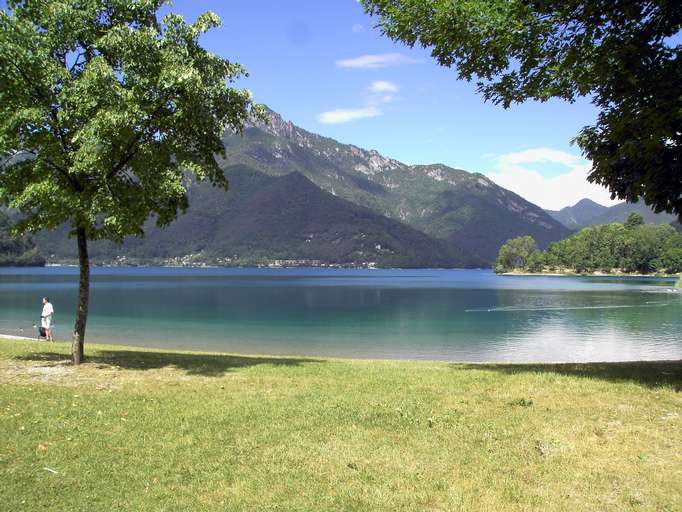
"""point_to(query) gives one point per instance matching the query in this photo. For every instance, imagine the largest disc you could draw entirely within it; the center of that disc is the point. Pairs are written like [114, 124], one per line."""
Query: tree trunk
[83, 298]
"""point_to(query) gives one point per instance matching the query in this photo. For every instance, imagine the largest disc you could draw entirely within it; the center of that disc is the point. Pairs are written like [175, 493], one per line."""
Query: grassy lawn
[152, 430]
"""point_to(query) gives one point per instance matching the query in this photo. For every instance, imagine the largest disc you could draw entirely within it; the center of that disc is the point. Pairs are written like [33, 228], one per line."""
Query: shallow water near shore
[457, 315]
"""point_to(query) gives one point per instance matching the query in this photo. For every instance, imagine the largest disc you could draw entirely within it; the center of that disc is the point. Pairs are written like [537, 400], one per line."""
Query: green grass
[150, 430]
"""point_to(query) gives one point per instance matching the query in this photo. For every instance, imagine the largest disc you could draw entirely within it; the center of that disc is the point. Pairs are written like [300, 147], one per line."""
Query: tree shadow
[208, 365]
[652, 374]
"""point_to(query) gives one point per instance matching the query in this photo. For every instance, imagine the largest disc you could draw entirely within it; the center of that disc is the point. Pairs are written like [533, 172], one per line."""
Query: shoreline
[19, 338]
[368, 266]
[365, 267]
[347, 359]
[586, 274]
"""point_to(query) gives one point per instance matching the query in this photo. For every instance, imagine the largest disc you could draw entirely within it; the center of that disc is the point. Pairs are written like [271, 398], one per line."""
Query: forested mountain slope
[350, 199]
[466, 209]
[264, 218]
[17, 251]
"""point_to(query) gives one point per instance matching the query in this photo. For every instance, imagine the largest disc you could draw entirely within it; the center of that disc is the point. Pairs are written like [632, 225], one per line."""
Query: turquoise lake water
[457, 315]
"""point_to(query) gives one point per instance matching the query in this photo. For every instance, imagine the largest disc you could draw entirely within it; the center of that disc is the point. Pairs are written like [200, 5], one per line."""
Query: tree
[621, 53]
[515, 253]
[536, 262]
[105, 112]
[670, 261]
[634, 220]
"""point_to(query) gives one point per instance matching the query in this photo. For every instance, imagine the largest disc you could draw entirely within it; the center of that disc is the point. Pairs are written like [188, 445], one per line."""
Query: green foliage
[17, 251]
[669, 261]
[631, 247]
[634, 220]
[620, 53]
[104, 112]
[536, 261]
[104, 109]
[517, 253]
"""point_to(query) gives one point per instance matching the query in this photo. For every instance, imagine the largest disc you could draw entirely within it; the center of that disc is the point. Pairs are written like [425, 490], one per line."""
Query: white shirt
[48, 310]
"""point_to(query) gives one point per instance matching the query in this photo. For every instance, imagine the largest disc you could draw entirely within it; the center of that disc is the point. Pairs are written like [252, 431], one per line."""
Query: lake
[456, 315]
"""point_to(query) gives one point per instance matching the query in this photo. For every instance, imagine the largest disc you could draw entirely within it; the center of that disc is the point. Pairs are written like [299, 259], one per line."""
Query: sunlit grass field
[137, 429]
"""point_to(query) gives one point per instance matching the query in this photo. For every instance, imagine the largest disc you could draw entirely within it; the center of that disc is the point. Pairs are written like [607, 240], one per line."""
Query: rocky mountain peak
[439, 200]
[276, 125]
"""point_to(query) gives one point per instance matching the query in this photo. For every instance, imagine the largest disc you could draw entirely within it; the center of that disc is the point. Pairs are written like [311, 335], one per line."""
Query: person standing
[46, 318]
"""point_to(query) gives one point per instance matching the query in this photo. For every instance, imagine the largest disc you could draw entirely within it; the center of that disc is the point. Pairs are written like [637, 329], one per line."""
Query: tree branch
[134, 145]
[57, 131]
[78, 187]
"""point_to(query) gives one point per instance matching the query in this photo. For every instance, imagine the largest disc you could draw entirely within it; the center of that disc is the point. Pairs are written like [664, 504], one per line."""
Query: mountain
[578, 215]
[465, 209]
[264, 218]
[620, 212]
[17, 252]
[295, 195]
[588, 213]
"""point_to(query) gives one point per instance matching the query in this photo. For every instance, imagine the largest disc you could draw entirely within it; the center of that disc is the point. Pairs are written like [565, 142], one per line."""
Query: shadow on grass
[647, 373]
[209, 365]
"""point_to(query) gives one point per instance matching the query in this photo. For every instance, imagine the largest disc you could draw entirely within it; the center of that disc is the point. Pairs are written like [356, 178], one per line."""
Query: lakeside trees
[516, 252]
[104, 111]
[623, 54]
[630, 247]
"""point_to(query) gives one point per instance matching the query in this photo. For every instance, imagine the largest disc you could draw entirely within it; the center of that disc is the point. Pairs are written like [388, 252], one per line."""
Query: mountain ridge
[578, 214]
[426, 215]
[274, 218]
[439, 200]
[588, 213]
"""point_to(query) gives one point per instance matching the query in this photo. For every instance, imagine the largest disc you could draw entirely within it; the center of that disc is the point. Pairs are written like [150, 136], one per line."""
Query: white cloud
[513, 171]
[357, 28]
[381, 86]
[376, 61]
[542, 155]
[378, 93]
[344, 115]
[381, 92]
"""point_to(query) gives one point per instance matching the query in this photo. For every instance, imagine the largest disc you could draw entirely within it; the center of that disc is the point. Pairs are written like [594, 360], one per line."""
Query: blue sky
[322, 65]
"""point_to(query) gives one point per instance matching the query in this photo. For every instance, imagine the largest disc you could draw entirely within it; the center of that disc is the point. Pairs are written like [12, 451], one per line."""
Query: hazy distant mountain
[580, 214]
[620, 212]
[264, 218]
[467, 209]
[588, 213]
